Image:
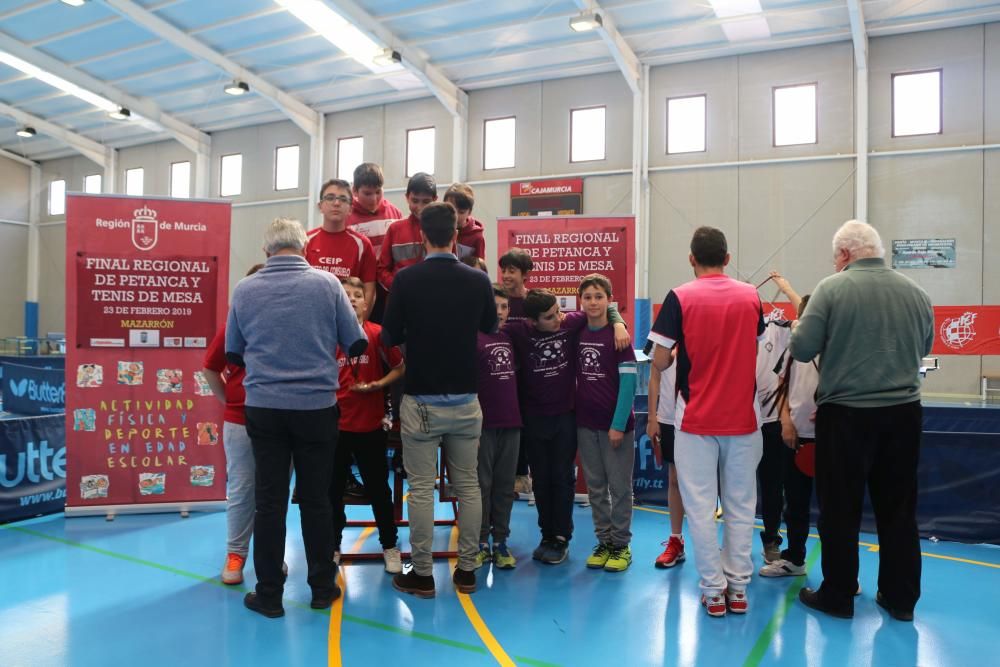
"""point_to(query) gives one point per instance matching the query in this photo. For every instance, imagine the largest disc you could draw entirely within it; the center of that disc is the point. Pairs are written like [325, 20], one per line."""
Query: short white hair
[284, 233]
[859, 239]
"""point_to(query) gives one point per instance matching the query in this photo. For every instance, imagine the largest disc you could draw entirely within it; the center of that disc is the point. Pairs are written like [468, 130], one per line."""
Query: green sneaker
[503, 558]
[619, 559]
[483, 556]
[599, 557]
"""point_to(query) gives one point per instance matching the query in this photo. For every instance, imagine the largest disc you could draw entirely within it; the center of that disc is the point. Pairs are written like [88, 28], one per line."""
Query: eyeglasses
[343, 199]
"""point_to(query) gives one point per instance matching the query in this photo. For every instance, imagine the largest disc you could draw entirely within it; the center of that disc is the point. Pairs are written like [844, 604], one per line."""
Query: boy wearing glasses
[337, 249]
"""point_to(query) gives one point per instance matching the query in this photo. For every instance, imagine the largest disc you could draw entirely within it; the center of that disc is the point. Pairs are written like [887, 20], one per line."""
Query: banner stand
[111, 511]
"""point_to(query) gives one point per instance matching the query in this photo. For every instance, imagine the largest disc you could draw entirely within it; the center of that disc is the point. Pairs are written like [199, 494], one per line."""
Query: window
[686, 124]
[180, 180]
[133, 181]
[498, 143]
[420, 151]
[57, 198]
[92, 184]
[286, 168]
[586, 134]
[231, 176]
[350, 153]
[795, 115]
[916, 103]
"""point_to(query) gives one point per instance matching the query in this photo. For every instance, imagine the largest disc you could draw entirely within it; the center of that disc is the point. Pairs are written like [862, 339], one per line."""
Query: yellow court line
[473, 614]
[871, 547]
[337, 610]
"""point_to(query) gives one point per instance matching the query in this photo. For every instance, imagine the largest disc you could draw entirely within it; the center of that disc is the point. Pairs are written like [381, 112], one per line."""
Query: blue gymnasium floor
[144, 590]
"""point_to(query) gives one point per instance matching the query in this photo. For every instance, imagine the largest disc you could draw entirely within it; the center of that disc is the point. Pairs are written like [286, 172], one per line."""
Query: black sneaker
[464, 580]
[413, 583]
[543, 547]
[557, 552]
[254, 603]
[324, 600]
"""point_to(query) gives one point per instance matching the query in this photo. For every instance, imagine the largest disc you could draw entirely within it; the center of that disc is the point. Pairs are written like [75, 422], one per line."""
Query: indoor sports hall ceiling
[168, 61]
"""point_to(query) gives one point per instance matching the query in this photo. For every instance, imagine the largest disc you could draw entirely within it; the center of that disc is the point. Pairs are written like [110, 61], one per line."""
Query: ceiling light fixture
[26, 132]
[339, 31]
[237, 87]
[387, 57]
[120, 113]
[57, 82]
[74, 3]
[587, 20]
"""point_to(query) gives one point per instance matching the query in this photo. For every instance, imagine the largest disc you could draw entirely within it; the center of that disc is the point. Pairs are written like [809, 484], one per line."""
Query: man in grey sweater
[870, 327]
[285, 324]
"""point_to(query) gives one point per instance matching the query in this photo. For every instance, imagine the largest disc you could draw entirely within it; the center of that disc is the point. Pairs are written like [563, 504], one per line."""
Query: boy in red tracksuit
[470, 242]
[362, 437]
[371, 214]
[403, 245]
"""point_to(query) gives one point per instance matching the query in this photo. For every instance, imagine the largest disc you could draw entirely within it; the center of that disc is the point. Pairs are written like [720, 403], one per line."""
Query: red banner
[146, 288]
[552, 197]
[966, 330]
[971, 330]
[564, 250]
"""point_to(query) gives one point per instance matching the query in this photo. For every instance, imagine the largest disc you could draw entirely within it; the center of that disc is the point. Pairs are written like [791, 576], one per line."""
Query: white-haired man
[285, 324]
[870, 327]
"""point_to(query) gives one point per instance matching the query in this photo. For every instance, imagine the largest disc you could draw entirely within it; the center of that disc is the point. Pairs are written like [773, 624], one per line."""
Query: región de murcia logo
[145, 231]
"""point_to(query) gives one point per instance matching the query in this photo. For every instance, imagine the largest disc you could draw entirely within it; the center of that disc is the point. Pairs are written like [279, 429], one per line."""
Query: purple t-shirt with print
[546, 365]
[497, 381]
[597, 378]
[516, 313]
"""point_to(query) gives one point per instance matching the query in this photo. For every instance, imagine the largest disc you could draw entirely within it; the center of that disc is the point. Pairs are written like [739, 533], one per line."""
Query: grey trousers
[423, 428]
[240, 503]
[608, 472]
[498, 451]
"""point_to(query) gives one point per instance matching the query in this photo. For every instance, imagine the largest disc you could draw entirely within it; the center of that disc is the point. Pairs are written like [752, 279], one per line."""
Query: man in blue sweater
[285, 324]
[436, 309]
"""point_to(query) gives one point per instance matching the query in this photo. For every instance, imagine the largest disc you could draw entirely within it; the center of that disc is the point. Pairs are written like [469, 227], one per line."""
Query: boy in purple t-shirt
[605, 389]
[545, 344]
[500, 439]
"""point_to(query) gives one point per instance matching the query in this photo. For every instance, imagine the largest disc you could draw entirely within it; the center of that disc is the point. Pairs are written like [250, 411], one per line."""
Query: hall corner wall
[14, 195]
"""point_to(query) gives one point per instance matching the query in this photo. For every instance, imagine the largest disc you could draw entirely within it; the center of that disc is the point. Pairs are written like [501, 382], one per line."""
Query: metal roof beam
[444, 89]
[858, 33]
[190, 137]
[92, 150]
[622, 53]
[307, 118]
[17, 158]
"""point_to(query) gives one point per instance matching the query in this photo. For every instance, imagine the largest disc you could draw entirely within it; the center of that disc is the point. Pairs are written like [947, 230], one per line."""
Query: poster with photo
[146, 287]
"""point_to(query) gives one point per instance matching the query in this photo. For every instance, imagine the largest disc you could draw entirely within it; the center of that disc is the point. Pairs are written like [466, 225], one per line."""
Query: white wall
[777, 215]
[14, 184]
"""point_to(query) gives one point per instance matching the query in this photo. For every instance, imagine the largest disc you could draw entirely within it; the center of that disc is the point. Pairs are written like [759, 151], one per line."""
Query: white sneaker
[393, 560]
[782, 568]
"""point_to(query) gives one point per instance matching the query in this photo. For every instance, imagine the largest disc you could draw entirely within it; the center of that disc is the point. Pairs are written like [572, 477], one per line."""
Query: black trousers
[770, 471]
[550, 443]
[879, 447]
[308, 439]
[368, 449]
[798, 497]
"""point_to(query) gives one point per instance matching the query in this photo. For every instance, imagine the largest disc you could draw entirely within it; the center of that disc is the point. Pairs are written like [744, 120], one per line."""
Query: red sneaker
[673, 554]
[714, 605]
[736, 601]
[232, 573]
